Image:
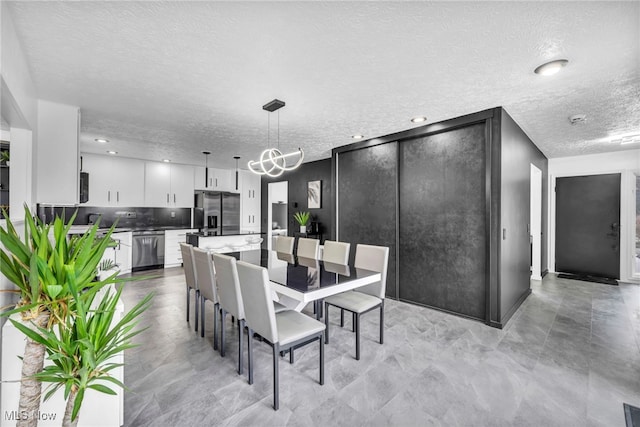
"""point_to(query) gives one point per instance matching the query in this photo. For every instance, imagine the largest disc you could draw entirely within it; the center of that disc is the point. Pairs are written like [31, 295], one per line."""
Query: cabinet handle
[210, 181]
[117, 196]
[216, 182]
[167, 198]
[174, 198]
[109, 196]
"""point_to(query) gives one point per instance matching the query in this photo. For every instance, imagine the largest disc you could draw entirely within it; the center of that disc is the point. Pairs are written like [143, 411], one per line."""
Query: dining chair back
[258, 301]
[336, 252]
[205, 276]
[230, 299]
[366, 298]
[374, 258]
[190, 277]
[308, 248]
[283, 331]
[284, 244]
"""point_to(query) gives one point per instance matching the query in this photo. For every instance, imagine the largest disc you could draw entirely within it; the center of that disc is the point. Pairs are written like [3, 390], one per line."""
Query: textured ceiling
[170, 79]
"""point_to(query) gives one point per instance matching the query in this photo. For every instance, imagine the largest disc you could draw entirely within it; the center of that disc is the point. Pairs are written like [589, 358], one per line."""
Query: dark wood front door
[588, 225]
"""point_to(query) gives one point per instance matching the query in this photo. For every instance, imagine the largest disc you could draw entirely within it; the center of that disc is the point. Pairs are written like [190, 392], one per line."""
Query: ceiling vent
[577, 118]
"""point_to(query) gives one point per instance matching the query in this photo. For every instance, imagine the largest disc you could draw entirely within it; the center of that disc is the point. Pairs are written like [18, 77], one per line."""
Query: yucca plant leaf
[103, 389]
[77, 404]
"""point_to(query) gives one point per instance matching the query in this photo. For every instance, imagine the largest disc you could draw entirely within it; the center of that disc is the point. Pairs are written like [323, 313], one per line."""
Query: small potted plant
[303, 219]
[5, 157]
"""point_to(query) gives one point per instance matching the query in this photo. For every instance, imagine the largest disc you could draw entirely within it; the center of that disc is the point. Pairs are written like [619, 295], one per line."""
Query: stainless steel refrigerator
[217, 212]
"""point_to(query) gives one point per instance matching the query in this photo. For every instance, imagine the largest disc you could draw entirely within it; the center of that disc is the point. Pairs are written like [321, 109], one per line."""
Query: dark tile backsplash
[127, 217]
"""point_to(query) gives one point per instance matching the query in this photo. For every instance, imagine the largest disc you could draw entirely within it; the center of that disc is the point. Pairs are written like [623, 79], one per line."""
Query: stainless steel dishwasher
[148, 250]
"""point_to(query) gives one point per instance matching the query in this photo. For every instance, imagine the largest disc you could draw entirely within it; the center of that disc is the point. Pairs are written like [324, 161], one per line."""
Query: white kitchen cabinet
[250, 201]
[121, 253]
[167, 185]
[114, 181]
[217, 180]
[172, 240]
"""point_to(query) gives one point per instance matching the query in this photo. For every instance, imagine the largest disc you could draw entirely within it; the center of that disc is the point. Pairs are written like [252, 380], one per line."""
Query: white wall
[17, 88]
[58, 154]
[18, 102]
[627, 163]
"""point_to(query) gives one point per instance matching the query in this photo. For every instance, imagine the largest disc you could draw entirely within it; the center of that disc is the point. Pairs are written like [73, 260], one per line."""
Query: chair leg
[342, 318]
[188, 301]
[321, 359]
[276, 397]
[240, 335]
[197, 300]
[382, 322]
[250, 355]
[202, 301]
[223, 315]
[216, 308]
[326, 323]
[353, 322]
[357, 327]
[291, 355]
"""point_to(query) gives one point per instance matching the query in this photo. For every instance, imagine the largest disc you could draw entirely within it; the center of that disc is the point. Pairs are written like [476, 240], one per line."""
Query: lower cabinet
[172, 240]
[120, 254]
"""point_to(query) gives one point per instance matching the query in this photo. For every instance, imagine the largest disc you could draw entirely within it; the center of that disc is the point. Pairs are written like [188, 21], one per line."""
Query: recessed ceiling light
[166, 160]
[551, 68]
[101, 140]
[112, 152]
[419, 119]
[357, 136]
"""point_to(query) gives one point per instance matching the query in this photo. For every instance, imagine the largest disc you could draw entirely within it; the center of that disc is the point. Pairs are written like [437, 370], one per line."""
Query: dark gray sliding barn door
[366, 196]
[443, 239]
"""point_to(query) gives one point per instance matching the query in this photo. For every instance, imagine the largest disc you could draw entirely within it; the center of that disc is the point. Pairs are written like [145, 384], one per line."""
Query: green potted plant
[5, 157]
[55, 274]
[303, 219]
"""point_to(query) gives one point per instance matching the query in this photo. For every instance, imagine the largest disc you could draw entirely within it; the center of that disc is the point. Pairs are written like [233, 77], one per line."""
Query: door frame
[635, 273]
[627, 221]
[535, 222]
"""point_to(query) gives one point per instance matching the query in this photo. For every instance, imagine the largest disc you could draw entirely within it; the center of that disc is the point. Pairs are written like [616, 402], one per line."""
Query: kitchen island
[222, 242]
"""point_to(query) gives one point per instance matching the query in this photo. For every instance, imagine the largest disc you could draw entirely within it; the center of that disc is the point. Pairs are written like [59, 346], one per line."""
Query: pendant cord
[278, 130]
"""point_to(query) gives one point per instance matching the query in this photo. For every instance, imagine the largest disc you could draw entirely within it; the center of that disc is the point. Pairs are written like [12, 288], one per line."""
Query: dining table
[299, 281]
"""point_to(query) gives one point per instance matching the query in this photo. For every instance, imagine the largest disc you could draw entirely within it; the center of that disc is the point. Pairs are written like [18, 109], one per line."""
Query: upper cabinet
[168, 185]
[114, 181]
[250, 201]
[217, 180]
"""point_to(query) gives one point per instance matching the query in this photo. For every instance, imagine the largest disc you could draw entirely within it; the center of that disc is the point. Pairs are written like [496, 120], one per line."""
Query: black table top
[301, 274]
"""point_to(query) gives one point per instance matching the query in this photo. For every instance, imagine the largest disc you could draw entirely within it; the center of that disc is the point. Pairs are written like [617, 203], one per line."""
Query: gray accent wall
[298, 180]
[517, 153]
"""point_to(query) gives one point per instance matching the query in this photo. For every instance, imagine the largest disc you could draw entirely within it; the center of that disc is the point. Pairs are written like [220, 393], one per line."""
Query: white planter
[303, 228]
[98, 409]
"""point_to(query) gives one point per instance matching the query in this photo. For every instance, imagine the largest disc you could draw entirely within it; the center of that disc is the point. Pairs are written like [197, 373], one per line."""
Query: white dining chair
[336, 252]
[205, 276]
[230, 299]
[282, 331]
[308, 248]
[284, 244]
[190, 278]
[365, 298]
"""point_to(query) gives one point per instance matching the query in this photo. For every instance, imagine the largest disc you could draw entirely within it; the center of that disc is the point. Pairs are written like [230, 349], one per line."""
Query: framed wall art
[314, 194]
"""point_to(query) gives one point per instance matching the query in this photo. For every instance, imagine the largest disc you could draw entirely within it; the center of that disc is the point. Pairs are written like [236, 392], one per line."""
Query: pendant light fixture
[206, 168]
[272, 161]
[237, 158]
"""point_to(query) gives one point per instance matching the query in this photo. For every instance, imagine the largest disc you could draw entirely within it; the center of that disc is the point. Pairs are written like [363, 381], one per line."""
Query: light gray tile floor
[570, 356]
